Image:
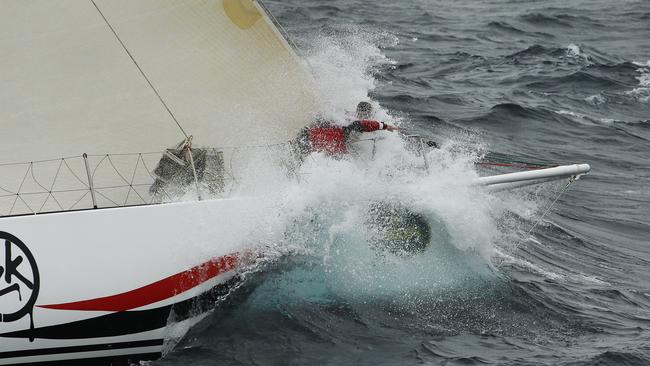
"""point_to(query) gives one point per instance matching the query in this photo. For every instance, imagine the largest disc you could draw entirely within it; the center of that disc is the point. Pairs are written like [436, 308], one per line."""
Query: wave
[426, 17]
[641, 123]
[569, 55]
[546, 20]
[583, 80]
[422, 106]
[320, 10]
[596, 84]
[508, 113]
[454, 99]
[512, 109]
[274, 327]
[580, 19]
[440, 37]
[510, 117]
[537, 54]
[503, 26]
[616, 358]
[553, 17]
[534, 50]
[642, 91]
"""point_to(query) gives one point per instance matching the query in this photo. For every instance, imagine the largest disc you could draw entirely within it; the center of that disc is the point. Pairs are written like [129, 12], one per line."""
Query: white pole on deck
[557, 172]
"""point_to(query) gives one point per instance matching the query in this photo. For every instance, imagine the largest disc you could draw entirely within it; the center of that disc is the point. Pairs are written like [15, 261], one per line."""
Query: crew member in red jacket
[333, 139]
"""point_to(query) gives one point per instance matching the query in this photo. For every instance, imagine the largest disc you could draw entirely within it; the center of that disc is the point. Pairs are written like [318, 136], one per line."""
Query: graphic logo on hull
[19, 280]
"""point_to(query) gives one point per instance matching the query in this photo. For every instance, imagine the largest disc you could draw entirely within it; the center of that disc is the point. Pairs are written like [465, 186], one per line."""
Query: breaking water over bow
[551, 82]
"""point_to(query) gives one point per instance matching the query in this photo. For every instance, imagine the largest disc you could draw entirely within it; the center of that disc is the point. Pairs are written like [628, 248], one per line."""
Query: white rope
[144, 75]
[548, 209]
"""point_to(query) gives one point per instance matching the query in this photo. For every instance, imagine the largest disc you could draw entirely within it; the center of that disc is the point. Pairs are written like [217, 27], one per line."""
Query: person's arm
[366, 125]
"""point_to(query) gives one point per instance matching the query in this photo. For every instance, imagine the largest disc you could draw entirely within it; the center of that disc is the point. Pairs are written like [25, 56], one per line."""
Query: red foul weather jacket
[332, 139]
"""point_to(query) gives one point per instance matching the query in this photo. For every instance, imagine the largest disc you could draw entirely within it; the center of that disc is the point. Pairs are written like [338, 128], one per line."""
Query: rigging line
[284, 33]
[79, 200]
[19, 188]
[140, 69]
[571, 180]
[279, 26]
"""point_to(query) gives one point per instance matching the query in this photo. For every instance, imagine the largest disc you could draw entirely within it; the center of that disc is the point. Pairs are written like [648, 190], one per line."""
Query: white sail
[123, 76]
[67, 86]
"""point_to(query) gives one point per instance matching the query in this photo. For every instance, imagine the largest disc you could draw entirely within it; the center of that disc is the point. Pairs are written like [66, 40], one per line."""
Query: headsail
[115, 76]
[68, 87]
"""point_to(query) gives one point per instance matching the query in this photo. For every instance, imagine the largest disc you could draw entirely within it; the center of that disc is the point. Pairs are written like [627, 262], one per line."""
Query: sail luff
[269, 19]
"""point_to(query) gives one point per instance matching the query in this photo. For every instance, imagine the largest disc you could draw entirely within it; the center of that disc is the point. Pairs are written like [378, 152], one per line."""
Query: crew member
[324, 136]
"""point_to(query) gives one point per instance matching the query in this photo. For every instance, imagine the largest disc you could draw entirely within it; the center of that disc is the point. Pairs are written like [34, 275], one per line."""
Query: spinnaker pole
[564, 171]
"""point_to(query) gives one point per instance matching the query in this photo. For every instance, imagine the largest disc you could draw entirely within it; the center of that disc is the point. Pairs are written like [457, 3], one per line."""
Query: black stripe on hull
[102, 361]
[76, 330]
[84, 348]
[110, 325]
[127, 322]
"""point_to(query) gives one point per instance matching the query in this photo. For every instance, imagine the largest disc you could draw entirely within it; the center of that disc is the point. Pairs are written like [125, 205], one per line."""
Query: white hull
[108, 279]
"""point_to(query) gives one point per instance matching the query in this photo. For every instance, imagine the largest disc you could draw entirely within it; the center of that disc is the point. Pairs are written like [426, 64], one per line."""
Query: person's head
[364, 110]
[322, 121]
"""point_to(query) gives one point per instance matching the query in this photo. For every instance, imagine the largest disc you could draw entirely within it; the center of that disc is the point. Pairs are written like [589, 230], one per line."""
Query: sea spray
[344, 62]
[642, 92]
[309, 216]
[324, 215]
[317, 208]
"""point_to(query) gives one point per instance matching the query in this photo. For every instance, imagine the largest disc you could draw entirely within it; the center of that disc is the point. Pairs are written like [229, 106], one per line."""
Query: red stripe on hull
[157, 291]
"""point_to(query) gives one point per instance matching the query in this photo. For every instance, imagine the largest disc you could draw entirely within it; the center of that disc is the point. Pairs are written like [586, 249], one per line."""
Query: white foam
[596, 100]
[642, 64]
[509, 259]
[593, 280]
[642, 92]
[522, 263]
[344, 65]
[574, 51]
[570, 113]
[585, 119]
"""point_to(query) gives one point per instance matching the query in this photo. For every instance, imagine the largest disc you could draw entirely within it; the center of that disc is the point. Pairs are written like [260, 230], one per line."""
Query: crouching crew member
[332, 139]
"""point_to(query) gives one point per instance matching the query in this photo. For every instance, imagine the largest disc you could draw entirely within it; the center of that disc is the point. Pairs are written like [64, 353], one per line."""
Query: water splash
[320, 211]
[317, 215]
[573, 51]
[642, 92]
[344, 62]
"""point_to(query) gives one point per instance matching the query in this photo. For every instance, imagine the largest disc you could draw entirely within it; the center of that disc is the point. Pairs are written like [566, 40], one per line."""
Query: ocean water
[541, 81]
